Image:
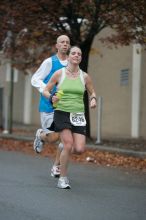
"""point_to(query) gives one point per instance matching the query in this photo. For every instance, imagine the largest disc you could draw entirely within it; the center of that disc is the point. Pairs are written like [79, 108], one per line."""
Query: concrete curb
[16, 137]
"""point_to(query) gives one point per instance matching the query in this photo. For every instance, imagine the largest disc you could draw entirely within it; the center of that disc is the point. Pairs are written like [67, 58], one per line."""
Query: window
[124, 77]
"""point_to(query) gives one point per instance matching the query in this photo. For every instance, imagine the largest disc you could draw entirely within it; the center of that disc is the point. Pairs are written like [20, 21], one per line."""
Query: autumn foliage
[29, 28]
[96, 157]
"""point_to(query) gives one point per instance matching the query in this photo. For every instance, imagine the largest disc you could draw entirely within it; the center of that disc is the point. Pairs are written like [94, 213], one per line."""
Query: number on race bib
[77, 119]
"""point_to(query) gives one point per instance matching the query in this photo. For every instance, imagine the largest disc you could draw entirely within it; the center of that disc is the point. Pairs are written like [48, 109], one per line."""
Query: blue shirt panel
[45, 104]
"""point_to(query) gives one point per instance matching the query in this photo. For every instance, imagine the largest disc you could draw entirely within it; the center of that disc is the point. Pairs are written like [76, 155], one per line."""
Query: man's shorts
[62, 121]
[46, 121]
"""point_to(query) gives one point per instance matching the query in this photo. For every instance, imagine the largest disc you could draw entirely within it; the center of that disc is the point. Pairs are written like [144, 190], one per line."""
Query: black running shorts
[62, 121]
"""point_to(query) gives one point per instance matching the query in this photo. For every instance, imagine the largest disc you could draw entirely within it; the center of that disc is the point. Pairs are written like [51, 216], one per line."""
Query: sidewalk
[135, 148]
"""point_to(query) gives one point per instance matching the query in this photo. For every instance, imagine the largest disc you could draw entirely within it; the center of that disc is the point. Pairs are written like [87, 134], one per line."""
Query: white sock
[60, 146]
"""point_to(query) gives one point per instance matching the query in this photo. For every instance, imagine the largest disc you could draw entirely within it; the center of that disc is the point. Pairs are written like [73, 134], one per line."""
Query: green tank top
[73, 91]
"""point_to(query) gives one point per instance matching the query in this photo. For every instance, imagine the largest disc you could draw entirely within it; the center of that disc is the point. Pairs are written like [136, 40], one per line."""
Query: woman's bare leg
[67, 140]
[79, 143]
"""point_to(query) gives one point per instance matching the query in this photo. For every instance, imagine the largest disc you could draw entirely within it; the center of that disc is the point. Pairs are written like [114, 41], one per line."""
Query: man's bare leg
[41, 137]
[49, 137]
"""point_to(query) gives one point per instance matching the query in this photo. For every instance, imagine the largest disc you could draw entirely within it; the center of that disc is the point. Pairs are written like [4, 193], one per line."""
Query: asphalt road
[28, 192]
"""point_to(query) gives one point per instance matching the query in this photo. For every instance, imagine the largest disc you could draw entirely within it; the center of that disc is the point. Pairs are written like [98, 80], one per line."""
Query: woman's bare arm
[90, 90]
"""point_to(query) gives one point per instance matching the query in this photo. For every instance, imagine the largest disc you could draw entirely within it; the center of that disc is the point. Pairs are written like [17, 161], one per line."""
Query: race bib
[77, 119]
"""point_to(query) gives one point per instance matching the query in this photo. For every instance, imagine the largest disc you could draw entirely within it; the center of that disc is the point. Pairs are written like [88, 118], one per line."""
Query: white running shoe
[55, 171]
[38, 143]
[63, 183]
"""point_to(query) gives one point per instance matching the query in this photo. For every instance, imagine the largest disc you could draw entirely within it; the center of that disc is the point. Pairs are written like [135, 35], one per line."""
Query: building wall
[18, 102]
[105, 66]
[18, 94]
[2, 75]
[35, 107]
[2, 80]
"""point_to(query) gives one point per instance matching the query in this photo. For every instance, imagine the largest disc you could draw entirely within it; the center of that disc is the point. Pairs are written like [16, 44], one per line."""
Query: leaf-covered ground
[91, 155]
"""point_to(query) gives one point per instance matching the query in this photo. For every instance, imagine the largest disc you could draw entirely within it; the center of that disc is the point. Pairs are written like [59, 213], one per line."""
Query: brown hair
[72, 48]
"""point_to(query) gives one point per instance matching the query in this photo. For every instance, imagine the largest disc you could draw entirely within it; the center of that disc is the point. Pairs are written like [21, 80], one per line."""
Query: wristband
[51, 97]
